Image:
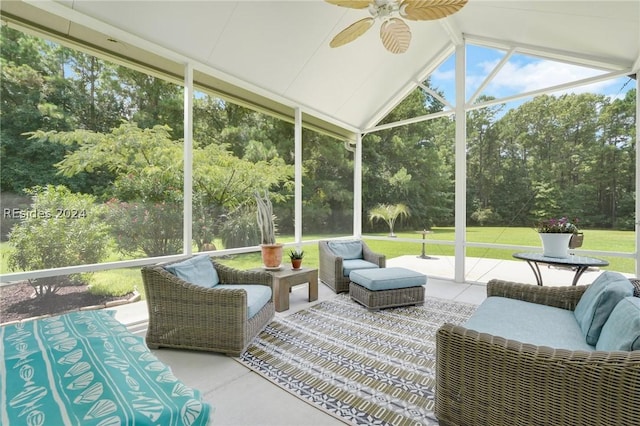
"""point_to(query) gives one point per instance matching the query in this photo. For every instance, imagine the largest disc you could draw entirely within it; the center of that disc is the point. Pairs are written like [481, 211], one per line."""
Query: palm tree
[389, 213]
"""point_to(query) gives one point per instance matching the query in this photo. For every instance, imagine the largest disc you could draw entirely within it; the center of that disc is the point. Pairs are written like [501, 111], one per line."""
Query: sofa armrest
[373, 257]
[229, 275]
[483, 379]
[559, 297]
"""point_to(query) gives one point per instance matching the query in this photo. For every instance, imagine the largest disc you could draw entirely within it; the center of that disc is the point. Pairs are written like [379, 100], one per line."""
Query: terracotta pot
[209, 247]
[296, 263]
[272, 255]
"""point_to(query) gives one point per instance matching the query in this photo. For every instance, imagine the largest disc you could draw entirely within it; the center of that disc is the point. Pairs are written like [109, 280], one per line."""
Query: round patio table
[579, 263]
[424, 253]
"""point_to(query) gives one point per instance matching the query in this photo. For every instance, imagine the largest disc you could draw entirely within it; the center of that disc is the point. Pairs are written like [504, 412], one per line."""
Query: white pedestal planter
[554, 244]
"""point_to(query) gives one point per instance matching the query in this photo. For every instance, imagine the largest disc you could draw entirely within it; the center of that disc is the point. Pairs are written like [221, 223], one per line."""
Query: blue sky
[522, 74]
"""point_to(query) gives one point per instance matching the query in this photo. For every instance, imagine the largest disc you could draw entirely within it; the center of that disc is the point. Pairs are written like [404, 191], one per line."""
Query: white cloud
[525, 76]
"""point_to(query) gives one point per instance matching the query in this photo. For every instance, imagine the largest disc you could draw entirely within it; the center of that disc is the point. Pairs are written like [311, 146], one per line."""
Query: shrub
[59, 229]
[240, 229]
[153, 228]
[485, 216]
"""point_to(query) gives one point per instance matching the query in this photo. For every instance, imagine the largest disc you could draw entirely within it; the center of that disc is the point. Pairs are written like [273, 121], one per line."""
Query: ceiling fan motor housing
[383, 8]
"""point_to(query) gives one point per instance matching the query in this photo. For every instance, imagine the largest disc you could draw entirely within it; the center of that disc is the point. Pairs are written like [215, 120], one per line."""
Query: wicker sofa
[183, 315]
[483, 379]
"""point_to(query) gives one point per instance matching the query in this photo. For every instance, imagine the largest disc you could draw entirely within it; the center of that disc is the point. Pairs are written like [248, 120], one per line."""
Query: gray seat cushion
[356, 264]
[526, 322]
[388, 278]
[257, 295]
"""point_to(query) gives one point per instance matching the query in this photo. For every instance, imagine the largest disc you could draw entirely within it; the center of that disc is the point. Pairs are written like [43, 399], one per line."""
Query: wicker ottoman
[387, 287]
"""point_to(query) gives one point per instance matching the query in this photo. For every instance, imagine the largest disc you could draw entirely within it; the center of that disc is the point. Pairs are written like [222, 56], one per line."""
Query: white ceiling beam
[435, 95]
[548, 53]
[578, 83]
[66, 12]
[410, 121]
[491, 76]
[433, 65]
[453, 31]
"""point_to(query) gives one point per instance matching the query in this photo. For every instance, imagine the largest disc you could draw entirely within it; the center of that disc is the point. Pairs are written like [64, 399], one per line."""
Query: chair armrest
[229, 275]
[373, 257]
[566, 297]
[329, 262]
[485, 379]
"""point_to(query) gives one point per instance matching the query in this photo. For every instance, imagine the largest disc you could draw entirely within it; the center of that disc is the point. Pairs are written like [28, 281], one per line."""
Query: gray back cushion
[598, 301]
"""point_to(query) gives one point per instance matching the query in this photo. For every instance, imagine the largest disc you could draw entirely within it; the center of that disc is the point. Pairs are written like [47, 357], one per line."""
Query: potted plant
[296, 258]
[556, 235]
[271, 251]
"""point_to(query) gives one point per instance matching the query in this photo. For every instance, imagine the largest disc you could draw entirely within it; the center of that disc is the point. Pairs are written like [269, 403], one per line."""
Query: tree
[48, 87]
[483, 155]
[327, 190]
[389, 214]
[422, 150]
[146, 208]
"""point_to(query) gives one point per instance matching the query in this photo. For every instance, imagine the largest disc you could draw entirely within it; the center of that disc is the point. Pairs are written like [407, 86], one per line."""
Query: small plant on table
[296, 258]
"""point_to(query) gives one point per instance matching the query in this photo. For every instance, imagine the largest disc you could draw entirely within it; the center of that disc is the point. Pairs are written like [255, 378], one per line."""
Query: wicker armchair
[187, 316]
[331, 270]
[487, 380]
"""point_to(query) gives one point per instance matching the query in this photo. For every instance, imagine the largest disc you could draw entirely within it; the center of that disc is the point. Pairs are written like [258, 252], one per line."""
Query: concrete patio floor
[242, 397]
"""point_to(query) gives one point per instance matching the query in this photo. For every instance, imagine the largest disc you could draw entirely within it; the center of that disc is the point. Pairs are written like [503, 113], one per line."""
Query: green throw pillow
[598, 301]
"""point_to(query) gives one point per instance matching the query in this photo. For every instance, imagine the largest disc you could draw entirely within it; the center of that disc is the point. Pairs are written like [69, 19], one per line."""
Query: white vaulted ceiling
[278, 51]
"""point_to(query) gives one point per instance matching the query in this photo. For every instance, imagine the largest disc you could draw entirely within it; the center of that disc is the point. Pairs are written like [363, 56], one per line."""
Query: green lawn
[605, 240]
[122, 281]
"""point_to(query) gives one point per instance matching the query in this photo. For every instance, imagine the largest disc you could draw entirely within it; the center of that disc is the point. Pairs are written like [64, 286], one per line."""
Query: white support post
[357, 189]
[461, 166]
[188, 160]
[637, 254]
[298, 176]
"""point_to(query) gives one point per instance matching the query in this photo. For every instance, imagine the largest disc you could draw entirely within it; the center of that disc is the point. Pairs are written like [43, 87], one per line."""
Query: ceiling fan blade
[352, 32]
[395, 35]
[351, 4]
[427, 10]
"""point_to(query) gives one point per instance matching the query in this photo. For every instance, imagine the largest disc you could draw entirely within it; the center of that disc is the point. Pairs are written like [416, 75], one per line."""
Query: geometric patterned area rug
[363, 367]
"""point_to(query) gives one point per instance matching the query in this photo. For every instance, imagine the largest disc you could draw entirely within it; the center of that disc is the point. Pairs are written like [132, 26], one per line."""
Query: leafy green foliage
[296, 254]
[484, 216]
[553, 155]
[389, 214]
[145, 211]
[60, 229]
[240, 228]
[154, 229]
[412, 164]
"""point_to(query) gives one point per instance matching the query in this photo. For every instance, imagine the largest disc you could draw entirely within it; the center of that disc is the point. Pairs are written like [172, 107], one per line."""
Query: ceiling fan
[394, 32]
